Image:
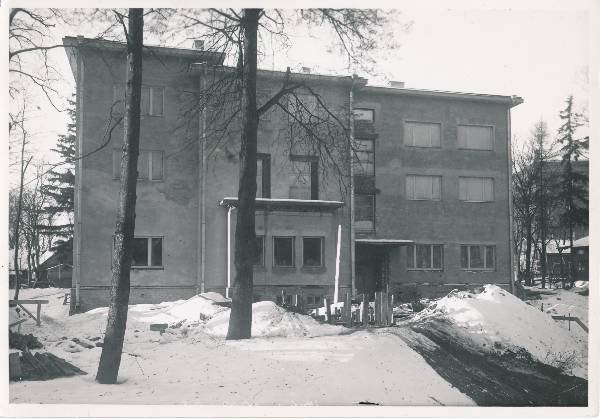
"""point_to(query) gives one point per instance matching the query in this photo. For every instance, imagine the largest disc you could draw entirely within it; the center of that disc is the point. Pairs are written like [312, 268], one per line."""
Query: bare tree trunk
[17, 225]
[528, 240]
[240, 321]
[110, 360]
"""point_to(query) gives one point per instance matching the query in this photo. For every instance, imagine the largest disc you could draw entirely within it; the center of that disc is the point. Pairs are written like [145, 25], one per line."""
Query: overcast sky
[539, 53]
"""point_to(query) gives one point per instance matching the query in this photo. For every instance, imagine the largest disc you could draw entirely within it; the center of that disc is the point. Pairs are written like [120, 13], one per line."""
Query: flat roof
[285, 203]
[396, 242]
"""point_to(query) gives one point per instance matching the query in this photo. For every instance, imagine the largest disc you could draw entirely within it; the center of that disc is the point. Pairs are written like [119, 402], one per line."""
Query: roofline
[80, 41]
[511, 101]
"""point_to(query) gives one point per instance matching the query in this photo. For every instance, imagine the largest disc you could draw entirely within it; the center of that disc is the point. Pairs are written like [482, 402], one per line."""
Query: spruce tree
[61, 186]
[574, 185]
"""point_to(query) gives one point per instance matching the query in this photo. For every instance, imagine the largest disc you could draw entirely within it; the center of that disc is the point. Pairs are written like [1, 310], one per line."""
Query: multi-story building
[419, 203]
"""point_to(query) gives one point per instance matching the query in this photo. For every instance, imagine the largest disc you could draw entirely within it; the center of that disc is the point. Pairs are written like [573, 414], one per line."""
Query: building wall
[167, 208]
[449, 221]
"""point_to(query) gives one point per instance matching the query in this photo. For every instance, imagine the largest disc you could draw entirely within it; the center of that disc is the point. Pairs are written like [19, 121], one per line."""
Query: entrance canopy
[387, 242]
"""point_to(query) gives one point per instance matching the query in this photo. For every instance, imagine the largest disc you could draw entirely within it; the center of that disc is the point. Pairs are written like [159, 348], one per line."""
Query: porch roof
[286, 203]
[389, 242]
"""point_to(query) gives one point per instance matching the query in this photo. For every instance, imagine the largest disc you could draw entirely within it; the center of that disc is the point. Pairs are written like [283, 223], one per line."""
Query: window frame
[274, 264]
[372, 110]
[482, 178]
[369, 152]
[406, 123]
[260, 264]
[414, 257]
[149, 250]
[483, 247]
[493, 137]
[313, 162]
[413, 198]
[322, 253]
[117, 176]
[265, 159]
[151, 88]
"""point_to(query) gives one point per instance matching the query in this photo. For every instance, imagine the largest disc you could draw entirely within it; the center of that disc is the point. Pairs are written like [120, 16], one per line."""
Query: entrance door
[372, 269]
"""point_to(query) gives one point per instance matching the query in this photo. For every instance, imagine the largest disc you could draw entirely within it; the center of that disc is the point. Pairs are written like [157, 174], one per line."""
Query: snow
[494, 319]
[291, 360]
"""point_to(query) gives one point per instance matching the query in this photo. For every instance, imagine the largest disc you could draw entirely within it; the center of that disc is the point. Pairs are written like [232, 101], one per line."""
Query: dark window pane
[312, 251]
[283, 251]
[423, 256]
[140, 252]
[157, 165]
[476, 257]
[157, 251]
[437, 257]
[364, 207]
[464, 257]
[260, 255]
[410, 256]
[489, 257]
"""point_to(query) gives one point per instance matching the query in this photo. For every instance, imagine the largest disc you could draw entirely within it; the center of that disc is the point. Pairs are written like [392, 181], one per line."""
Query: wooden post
[327, 309]
[392, 309]
[364, 314]
[377, 308]
[39, 318]
[348, 309]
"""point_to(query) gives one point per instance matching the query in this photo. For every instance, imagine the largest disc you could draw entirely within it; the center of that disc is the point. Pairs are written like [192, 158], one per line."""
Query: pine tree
[61, 185]
[574, 185]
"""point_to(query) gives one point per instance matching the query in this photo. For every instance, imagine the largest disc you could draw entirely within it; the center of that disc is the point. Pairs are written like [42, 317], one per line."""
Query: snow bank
[270, 320]
[496, 320]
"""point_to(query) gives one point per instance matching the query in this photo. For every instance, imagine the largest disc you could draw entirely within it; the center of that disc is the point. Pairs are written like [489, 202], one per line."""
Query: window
[476, 189]
[263, 175]
[304, 177]
[260, 251]
[283, 251]
[147, 252]
[314, 300]
[312, 251]
[424, 187]
[152, 102]
[364, 211]
[364, 158]
[150, 165]
[476, 137]
[478, 257]
[363, 114]
[422, 134]
[426, 256]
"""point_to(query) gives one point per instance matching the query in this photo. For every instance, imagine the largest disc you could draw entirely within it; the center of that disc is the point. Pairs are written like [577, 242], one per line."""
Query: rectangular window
[478, 257]
[260, 251]
[476, 189]
[476, 137]
[363, 114]
[312, 251]
[283, 251]
[150, 165]
[364, 208]
[425, 256]
[152, 101]
[147, 252]
[422, 134]
[304, 177]
[420, 187]
[364, 158]
[263, 175]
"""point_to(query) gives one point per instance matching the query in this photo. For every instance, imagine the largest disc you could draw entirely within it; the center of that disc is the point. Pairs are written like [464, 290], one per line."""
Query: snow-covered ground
[495, 320]
[294, 360]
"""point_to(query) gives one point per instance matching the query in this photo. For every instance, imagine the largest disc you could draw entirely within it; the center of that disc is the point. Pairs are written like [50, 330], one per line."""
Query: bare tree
[237, 34]
[110, 359]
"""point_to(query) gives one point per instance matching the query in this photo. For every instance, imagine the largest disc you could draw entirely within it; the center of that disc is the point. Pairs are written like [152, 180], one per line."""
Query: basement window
[312, 252]
[283, 252]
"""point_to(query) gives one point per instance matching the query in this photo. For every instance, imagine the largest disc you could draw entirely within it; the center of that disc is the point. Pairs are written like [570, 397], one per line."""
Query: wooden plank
[573, 319]
[29, 301]
[377, 308]
[365, 310]
[327, 309]
[348, 309]
[39, 315]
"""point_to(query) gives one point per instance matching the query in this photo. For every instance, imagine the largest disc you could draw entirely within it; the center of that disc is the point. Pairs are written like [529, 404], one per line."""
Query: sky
[540, 53]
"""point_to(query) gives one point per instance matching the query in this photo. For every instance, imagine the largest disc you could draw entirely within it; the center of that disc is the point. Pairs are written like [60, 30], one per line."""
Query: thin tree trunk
[529, 240]
[18, 217]
[110, 360]
[240, 321]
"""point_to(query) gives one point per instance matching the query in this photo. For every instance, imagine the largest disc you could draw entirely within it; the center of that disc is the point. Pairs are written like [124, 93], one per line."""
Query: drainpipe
[79, 172]
[513, 273]
[352, 233]
[228, 252]
[202, 209]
